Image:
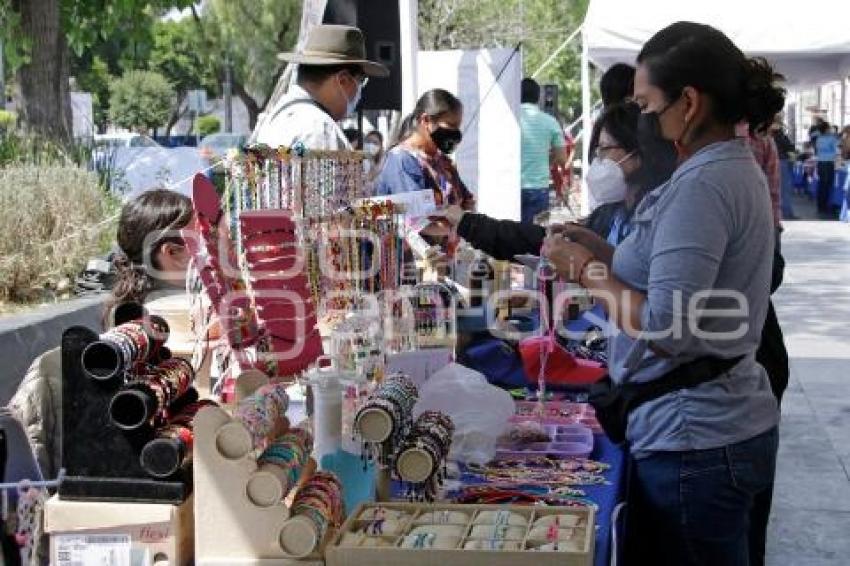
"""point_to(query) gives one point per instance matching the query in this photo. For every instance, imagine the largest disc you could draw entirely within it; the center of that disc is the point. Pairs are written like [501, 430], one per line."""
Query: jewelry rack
[241, 525]
[101, 461]
[327, 194]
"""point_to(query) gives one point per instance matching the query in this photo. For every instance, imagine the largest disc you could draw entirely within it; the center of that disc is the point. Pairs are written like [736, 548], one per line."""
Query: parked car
[124, 139]
[214, 147]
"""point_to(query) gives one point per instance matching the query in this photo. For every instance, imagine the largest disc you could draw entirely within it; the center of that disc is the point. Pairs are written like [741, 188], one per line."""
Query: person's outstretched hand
[569, 258]
[450, 215]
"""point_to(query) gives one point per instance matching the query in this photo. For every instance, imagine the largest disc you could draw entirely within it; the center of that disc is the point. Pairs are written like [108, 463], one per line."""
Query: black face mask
[659, 155]
[446, 139]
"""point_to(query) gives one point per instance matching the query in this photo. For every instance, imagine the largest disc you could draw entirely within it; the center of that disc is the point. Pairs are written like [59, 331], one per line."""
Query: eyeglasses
[600, 149]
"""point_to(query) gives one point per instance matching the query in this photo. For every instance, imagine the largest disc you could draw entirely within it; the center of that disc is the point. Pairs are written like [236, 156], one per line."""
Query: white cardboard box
[119, 534]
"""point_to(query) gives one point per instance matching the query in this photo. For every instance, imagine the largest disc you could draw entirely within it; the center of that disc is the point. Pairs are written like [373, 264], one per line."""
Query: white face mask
[371, 149]
[350, 105]
[606, 181]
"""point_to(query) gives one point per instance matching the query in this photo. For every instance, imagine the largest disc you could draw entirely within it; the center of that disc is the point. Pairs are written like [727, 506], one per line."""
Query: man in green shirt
[543, 145]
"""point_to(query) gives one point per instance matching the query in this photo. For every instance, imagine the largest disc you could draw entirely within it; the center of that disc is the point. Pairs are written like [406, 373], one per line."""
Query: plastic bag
[480, 411]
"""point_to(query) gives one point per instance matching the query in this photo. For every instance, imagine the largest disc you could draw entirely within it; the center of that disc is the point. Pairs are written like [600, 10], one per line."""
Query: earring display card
[414, 534]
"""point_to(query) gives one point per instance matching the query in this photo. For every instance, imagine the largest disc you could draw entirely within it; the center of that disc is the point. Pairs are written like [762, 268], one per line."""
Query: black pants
[826, 179]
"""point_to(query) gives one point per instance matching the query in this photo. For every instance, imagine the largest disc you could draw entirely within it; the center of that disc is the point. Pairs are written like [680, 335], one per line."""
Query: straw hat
[336, 45]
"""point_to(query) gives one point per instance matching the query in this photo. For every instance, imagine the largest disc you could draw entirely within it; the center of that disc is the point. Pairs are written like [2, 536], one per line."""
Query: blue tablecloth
[606, 497]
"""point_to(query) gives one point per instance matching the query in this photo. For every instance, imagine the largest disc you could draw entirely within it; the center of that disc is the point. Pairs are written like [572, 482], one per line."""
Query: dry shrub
[51, 222]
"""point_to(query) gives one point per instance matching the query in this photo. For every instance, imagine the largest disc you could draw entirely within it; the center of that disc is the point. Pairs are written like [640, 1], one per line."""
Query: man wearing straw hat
[332, 71]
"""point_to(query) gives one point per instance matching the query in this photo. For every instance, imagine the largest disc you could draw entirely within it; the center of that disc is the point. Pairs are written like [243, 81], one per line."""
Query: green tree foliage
[208, 125]
[83, 25]
[95, 79]
[179, 54]
[249, 34]
[140, 100]
[540, 25]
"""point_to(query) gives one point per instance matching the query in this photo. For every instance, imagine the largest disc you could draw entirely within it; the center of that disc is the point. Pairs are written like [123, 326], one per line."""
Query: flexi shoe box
[81, 532]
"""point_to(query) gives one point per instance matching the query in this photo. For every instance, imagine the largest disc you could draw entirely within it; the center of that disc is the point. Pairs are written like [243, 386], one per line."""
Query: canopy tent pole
[555, 53]
[586, 122]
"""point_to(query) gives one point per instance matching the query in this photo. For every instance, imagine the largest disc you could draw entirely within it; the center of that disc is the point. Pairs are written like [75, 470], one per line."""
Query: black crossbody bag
[613, 402]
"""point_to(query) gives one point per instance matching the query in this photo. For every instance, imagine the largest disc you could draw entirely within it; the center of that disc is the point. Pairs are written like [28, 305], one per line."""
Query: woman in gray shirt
[692, 281]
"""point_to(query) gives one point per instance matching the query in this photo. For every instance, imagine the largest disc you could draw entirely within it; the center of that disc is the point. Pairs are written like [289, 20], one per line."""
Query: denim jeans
[786, 171]
[534, 201]
[700, 507]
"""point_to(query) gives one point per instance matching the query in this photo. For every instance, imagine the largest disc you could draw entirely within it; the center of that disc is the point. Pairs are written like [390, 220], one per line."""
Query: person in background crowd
[355, 139]
[373, 146]
[786, 152]
[332, 72]
[542, 145]
[814, 129]
[766, 155]
[845, 142]
[826, 150]
[700, 455]
[420, 160]
[617, 84]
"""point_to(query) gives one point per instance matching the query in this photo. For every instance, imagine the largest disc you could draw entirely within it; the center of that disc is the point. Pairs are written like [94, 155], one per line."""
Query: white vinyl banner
[488, 158]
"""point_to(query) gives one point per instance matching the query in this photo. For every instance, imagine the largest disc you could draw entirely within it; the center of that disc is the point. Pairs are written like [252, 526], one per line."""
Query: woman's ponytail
[763, 99]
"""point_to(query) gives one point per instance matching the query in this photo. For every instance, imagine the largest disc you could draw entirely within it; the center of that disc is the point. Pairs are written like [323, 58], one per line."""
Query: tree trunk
[44, 80]
[176, 114]
[249, 102]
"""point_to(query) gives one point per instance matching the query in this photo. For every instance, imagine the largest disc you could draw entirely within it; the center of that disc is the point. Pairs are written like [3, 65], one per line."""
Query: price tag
[92, 550]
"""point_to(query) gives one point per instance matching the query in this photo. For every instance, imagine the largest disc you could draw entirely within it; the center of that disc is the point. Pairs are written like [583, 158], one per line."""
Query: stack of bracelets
[389, 406]
[262, 413]
[172, 447]
[320, 503]
[145, 401]
[289, 452]
[421, 459]
[126, 347]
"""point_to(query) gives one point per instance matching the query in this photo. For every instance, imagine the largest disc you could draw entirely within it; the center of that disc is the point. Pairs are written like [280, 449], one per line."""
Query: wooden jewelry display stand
[239, 505]
[102, 461]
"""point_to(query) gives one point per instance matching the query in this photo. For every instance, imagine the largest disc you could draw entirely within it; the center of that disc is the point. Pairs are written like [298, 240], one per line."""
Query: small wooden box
[575, 548]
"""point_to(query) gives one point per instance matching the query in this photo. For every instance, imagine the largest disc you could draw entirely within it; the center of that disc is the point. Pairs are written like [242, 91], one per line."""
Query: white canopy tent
[809, 45]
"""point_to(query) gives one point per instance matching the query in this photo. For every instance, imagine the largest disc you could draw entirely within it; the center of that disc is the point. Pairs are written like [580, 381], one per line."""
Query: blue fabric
[837, 197]
[534, 201]
[704, 235]
[787, 188]
[498, 361]
[826, 147]
[400, 173]
[694, 507]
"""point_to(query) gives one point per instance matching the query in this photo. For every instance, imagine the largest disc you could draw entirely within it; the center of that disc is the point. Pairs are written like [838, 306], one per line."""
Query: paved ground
[810, 525]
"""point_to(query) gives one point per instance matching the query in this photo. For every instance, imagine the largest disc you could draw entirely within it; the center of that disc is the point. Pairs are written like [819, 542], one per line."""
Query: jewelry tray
[577, 550]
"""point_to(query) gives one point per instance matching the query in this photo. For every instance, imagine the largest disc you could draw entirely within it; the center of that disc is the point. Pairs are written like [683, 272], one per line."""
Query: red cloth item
[562, 368]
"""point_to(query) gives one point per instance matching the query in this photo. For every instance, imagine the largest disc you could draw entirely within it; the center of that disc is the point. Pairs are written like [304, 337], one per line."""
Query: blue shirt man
[542, 145]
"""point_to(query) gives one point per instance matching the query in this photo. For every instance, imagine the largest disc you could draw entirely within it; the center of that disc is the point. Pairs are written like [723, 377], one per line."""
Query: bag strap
[686, 376]
[295, 101]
